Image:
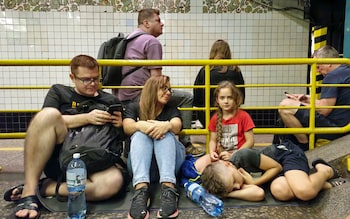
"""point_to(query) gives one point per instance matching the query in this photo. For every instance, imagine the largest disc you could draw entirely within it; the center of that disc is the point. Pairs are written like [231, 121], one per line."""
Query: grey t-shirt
[249, 159]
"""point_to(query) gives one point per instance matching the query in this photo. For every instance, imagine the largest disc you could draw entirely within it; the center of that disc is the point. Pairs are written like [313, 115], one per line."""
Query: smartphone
[115, 107]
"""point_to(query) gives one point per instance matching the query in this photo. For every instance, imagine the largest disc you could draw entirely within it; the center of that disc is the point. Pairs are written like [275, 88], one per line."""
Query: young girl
[230, 128]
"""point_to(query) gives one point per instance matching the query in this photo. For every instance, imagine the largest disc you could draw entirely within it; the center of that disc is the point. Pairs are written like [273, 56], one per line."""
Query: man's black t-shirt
[65, 98]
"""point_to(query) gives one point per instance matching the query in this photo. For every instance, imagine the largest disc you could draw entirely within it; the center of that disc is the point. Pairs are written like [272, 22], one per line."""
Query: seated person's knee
[105, 186]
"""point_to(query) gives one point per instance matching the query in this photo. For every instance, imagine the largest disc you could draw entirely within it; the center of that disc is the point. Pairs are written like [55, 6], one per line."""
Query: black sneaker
[168, 203]
[140, 204]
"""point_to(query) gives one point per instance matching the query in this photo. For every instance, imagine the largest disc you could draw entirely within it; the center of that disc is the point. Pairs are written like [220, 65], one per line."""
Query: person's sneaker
[195, 151]
[168, 203]
[196, 125]
[140, 204]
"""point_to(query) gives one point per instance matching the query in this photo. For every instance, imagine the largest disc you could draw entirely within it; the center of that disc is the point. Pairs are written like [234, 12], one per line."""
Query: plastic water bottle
[210, 203]
[76, 178]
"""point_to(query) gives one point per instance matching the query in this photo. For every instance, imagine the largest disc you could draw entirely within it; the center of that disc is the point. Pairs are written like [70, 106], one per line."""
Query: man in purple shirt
[148, 47]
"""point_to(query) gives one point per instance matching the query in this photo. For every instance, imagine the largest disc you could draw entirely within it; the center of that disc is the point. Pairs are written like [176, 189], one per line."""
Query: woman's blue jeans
[151, 160]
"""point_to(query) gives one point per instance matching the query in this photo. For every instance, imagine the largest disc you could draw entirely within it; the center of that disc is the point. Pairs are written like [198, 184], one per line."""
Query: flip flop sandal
[26, 203]
[337, 181]
[59, 197]
[321, 161]
[9, 192]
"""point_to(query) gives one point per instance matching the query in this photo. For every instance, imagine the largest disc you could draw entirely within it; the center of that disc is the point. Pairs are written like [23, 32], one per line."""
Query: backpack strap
[119, 160]
[59, 182]
[128, 39]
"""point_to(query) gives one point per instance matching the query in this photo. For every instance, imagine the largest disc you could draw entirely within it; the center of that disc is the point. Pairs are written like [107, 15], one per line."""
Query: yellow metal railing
[311, 130]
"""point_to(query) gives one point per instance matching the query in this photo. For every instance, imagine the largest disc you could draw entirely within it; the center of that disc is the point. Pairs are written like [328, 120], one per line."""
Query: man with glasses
[330, 96]
[148, 47]
[48, 130]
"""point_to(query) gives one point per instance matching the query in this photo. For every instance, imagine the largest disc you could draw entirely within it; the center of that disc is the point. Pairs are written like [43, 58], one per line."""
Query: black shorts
[303, 115]
[52, 169]
[291, 157]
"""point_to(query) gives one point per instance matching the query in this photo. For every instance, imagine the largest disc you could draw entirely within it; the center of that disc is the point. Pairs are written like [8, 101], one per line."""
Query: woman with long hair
[155, 153]
[219, 50]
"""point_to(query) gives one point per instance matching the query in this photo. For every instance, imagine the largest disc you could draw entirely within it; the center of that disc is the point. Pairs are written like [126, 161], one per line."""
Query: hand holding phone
[297, 97]
[291, 96]
[115, 107]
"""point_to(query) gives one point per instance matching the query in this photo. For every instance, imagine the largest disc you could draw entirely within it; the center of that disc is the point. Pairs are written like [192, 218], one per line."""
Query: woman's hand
[157, 129]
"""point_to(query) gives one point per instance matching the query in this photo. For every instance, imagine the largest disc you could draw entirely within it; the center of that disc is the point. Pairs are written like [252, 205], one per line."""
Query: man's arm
[156, 72]
[325, 102]
[305, 100]
[95, 117]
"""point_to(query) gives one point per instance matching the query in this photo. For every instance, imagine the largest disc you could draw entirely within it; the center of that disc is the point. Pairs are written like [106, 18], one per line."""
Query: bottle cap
[76, 155]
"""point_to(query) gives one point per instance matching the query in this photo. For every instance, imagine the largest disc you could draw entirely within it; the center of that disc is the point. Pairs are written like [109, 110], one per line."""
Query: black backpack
[115, 48]
[100, 146]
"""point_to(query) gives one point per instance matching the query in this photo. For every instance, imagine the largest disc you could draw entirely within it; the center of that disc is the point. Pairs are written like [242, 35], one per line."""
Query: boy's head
[221, 177]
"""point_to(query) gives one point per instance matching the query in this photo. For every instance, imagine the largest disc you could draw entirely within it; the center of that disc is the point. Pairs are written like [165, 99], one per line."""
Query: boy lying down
[284, 165]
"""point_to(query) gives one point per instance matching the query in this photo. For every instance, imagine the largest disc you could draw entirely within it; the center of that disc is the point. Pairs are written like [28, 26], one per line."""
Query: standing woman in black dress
[219, 50]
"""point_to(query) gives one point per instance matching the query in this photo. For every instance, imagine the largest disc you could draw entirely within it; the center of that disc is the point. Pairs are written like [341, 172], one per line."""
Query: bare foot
[325, 169]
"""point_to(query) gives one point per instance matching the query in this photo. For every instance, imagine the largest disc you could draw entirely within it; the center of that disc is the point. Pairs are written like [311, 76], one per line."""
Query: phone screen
[114, 107]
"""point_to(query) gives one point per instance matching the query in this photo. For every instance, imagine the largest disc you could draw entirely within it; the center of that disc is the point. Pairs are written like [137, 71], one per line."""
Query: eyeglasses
[165, 89]
[87, 81]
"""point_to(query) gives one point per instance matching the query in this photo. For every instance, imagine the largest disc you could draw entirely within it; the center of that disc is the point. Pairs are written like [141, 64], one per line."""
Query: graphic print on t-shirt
[229, 140]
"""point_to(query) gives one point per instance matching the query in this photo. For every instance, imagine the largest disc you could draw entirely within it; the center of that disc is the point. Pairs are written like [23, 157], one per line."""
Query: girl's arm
[212, 142]
[248, 193]
[249, 139]
[212, 147]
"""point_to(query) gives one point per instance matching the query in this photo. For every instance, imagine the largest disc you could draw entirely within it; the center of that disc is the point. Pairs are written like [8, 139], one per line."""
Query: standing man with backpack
[47, 132]
[148, 47]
